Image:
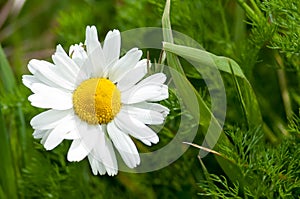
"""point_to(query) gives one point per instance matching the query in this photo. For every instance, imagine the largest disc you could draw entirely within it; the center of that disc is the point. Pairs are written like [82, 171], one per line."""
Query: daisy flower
[97, 100]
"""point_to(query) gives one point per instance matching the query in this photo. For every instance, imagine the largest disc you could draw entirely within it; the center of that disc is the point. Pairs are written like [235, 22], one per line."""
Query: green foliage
[254, 45]
[269, 172]
[79, 14]
[7, 183]
[285, 16]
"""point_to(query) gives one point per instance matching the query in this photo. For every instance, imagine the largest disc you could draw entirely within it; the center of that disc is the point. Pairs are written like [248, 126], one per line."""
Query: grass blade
[7, 79]
[22, 139]
[181, 82]
[208, 123]
[7, 174]
[204, 58]
[247, 97]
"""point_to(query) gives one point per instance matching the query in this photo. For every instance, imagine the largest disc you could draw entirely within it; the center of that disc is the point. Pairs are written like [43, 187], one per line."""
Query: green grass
[252, 45]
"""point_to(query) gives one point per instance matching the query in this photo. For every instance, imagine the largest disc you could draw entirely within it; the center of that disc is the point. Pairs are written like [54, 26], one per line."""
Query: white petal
[137, 129]
[123, 65]
[124, 145]
[59, 49]
[148, 92]
[155, 107]
[28, 80]
[51, 74]
[75, 122]
[95, 52]
[66, 65]
[78, 54]
[47, 97]
[96, 165]
[91, 40]
[35, 65]
[133, 76]
[112, 46]
[97, 61]
[45, 137]
[77, 151]
[53, 140]
[149, 89]
[32, 67]
[49, 119]
[56, 136]
[89, 135]
[86, 72]
[144, 115]
[158, 78]
[55, 78]
[38, 134]
[72, 135]
[164, 94]
[105, 152]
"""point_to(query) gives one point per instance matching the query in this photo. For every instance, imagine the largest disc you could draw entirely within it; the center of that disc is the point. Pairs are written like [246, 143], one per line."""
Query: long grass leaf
[240, 96]
[182, 83]
[204, 58]
[7, 174]
[7, 79]
[208, 121]
[22, 133]
[207, 176]
[247, 96]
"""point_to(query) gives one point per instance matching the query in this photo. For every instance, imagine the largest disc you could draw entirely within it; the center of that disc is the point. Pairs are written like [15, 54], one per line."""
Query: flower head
[97, 100]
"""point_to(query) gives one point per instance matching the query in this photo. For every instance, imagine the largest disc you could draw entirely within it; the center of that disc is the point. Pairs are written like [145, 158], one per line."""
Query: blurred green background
[260, 148]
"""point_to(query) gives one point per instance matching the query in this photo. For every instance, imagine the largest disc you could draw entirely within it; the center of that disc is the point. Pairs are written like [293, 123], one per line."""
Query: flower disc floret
[97, 101]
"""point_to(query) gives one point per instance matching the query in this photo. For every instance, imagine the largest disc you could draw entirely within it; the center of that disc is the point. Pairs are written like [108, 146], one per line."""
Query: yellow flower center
[97, 101]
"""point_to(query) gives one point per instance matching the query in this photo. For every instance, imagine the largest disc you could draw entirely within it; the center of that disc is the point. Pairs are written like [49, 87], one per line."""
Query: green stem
[251, 14]
[284, 88]
[224, 21]
[255, 7]
[269, 134]
[238, 89]
[22, 133]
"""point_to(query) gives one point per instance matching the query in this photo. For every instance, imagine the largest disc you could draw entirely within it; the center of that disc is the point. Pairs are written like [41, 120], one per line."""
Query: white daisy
[97, 100]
